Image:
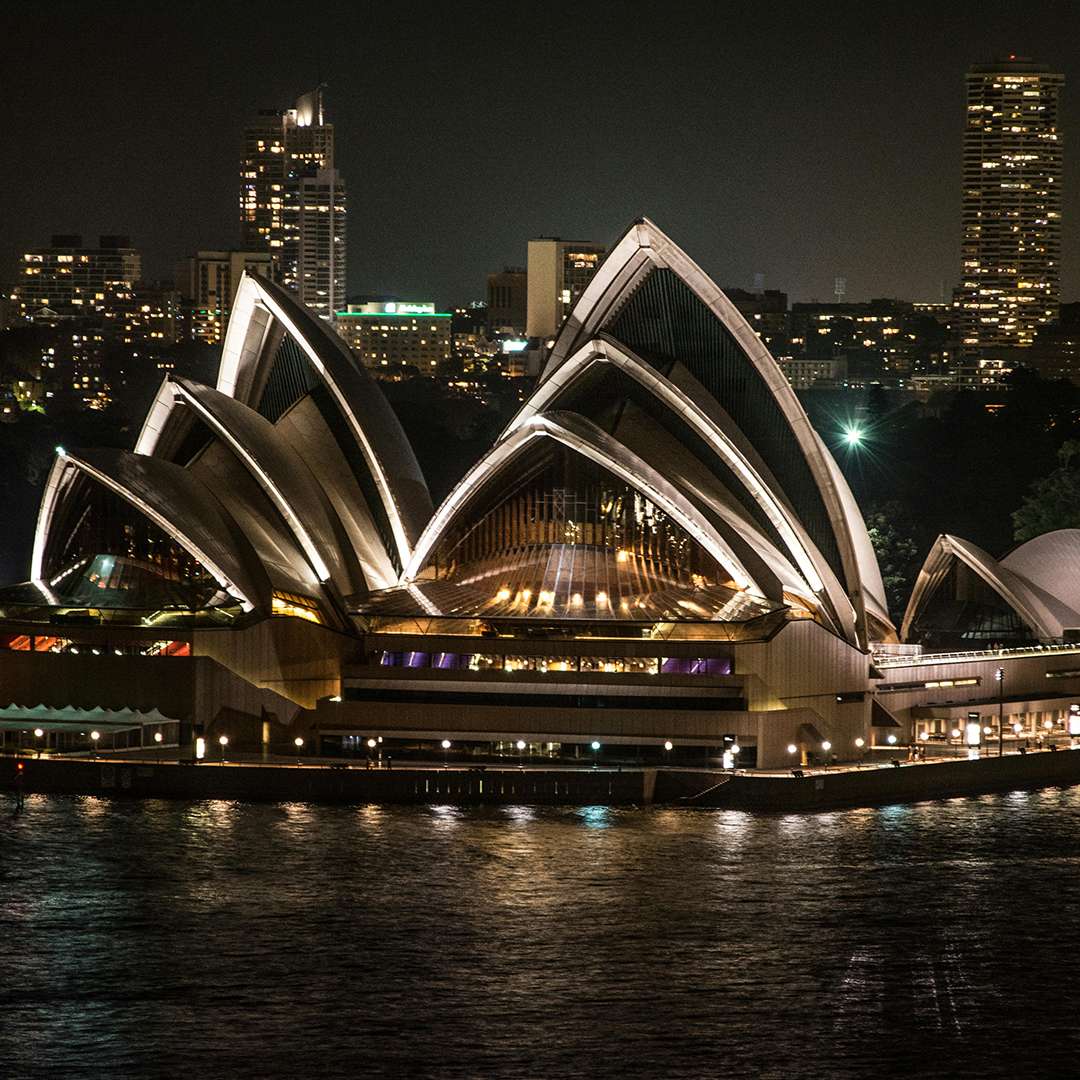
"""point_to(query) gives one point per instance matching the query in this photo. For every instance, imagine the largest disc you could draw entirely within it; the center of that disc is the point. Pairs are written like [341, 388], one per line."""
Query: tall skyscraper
[1011, 210]
[558, 272]
[321, 242]
[292, 201]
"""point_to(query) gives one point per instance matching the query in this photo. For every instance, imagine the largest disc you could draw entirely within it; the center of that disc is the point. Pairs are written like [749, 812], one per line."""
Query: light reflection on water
[228, 939]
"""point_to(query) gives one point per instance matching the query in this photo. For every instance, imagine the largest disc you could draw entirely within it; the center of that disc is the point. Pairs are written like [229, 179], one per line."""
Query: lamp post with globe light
[1000, 676]
[298, 742]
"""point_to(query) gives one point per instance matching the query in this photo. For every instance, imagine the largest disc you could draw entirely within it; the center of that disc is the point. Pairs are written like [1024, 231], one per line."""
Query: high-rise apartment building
[208, 281]
[321, 242]
[1011, 211]
[292, 201]
[67, 280]
[558, 271]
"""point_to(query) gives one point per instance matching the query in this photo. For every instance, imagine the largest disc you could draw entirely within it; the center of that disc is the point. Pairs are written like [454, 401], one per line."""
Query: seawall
[824, 790]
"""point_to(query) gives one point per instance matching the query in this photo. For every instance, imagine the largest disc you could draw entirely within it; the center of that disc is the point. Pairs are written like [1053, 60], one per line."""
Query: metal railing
[927, 659]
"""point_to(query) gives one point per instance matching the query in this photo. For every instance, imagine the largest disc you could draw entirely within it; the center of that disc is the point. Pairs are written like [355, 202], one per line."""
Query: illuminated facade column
[1012, 176]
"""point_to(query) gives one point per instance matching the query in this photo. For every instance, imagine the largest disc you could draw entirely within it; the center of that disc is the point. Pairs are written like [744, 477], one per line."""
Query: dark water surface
[222, 939]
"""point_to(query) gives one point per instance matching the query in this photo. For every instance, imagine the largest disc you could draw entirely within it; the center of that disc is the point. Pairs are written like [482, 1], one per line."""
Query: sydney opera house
[659, 556]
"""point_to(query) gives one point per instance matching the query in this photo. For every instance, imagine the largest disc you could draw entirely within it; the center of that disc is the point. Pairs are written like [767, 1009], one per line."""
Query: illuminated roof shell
[845, 593]
[1037, 580]
[172, 499]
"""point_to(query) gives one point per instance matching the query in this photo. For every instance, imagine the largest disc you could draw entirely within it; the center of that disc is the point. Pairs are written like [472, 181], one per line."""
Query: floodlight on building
[853, 435]
[200, 748]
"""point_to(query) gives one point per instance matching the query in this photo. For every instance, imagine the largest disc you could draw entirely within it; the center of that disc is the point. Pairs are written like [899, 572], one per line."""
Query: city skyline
[849, 170]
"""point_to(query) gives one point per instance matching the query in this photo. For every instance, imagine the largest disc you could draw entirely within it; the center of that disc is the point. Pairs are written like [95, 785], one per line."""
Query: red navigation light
[19, 767]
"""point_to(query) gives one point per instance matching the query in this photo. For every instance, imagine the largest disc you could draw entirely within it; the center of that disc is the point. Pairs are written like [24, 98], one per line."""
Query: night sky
[799, 141]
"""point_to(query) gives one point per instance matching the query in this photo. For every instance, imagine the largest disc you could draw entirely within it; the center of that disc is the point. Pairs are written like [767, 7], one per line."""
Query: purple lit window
[711, 665]
[450, 660]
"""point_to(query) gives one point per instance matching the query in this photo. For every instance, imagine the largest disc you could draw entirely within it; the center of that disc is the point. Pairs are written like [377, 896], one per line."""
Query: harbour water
[152, 938]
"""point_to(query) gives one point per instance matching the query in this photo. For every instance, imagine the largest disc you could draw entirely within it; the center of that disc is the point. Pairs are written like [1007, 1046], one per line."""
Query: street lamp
[668, 745]
[223, 741]
[446, 753]
[1000, 676]
[596, 752]
[792, 748]
[94, 736]
[158, 737]
[860, 742]
[38, 732]
[299, 744]
[890, 739]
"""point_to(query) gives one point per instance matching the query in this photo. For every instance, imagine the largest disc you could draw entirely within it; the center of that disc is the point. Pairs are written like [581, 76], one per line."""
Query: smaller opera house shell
[658, 548]
[964, 598]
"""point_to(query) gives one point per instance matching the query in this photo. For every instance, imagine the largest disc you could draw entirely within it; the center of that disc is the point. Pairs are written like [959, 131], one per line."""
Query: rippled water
[222, 939]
